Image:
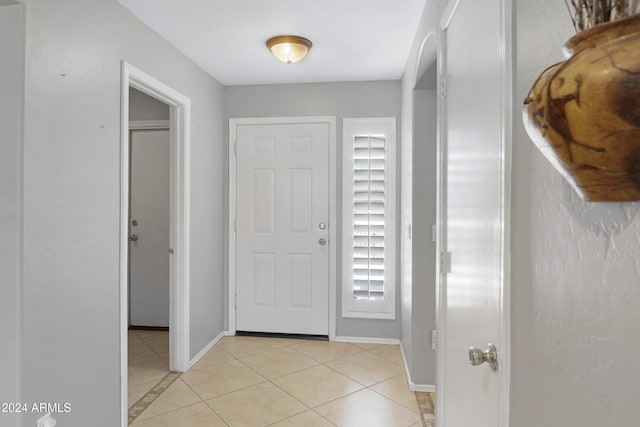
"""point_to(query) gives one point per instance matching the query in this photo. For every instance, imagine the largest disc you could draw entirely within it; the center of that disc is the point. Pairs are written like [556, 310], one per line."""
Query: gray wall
[418, 149]
[575, 272]
[368, 99]
[11, 94]
[145, 107]
[424, 248]
[71, 307]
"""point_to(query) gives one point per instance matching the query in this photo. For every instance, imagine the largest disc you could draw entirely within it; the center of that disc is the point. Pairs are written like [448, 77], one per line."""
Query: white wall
[366, 99]
[11, 94]
[575, 271]
[71, 200]
[418, 194]
[145, 107]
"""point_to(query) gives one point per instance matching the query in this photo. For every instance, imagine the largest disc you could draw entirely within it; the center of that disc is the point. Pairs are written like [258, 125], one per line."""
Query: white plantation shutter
[368, 218]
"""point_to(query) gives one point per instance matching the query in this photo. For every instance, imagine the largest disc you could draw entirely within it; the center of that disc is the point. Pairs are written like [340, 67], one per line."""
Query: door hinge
[445, 262]
[235, 300]
[235, 224]
[170, 251]
[235, 148]
[443, 85]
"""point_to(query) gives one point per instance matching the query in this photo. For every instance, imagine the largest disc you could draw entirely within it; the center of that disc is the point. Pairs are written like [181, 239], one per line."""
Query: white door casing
[474, 173]
[283, 269]
[179, 280]
[149, 229]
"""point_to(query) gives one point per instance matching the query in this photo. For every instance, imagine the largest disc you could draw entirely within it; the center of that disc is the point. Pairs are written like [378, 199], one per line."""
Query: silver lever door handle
[477, 357]
[134, 238]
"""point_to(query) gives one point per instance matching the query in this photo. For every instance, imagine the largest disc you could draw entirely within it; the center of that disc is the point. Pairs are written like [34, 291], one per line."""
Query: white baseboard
[413, 386]
[425, 388]
[207, 348]
[367, 340]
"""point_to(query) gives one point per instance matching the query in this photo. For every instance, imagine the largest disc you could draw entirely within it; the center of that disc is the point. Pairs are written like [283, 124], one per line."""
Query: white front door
[149, 229]
[474, 137]
[282, 268]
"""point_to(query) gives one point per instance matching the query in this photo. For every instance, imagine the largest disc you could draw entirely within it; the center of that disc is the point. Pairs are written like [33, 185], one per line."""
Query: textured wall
[359, 99]
[71, 309]
[575, 272]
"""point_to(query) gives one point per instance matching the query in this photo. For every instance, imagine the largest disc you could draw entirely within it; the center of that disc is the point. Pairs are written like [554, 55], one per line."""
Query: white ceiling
[353, 40]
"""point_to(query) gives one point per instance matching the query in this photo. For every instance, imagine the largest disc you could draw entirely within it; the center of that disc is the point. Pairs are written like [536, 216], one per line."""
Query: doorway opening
[141, 140]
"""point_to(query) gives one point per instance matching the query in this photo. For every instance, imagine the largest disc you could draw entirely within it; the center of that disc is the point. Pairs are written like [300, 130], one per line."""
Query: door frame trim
[504, 344]
[179, 281]
[231, 265]
[149, 124]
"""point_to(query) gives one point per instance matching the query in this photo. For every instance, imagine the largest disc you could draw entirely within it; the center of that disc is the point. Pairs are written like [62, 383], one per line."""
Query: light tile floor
[148, 361]
[256, 382]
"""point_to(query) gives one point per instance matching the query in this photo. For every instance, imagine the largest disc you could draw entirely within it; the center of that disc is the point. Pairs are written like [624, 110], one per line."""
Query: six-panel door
[282, 218]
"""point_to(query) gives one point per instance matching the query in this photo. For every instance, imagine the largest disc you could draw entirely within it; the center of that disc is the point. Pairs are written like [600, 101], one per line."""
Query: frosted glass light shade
[289, 49]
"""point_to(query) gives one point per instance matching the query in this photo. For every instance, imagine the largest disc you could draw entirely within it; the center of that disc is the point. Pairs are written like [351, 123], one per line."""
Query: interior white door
[282, 269]
[474, 214]
[149, 229]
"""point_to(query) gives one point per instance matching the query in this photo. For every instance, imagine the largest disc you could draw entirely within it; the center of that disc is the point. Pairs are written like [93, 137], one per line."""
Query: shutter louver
[368, 217]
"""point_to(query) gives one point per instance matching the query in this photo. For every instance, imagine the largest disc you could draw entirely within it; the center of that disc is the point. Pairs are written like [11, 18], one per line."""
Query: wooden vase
[584, 113]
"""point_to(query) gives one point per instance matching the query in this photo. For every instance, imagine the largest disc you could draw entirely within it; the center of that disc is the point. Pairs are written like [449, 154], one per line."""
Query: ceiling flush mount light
[289, 49]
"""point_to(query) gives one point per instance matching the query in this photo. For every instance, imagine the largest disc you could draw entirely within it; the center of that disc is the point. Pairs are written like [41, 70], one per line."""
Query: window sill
[368, 315]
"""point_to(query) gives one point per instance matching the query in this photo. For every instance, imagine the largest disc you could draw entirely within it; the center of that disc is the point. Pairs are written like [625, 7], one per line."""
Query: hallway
[249, 381]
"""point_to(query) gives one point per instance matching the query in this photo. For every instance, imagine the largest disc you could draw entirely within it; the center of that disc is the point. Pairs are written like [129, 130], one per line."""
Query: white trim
[148, 124]
[448, 13]
[366, 309]
[419, 73]
[441, 238]
[206, 348]
[507, 140]
[413, 386]
[504, 346]
[368, 340]
[180, 127]
[423, 388]
[233, 123]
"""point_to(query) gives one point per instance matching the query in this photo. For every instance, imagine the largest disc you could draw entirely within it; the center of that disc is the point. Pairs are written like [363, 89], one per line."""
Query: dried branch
[589, 13]
[573, 20]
